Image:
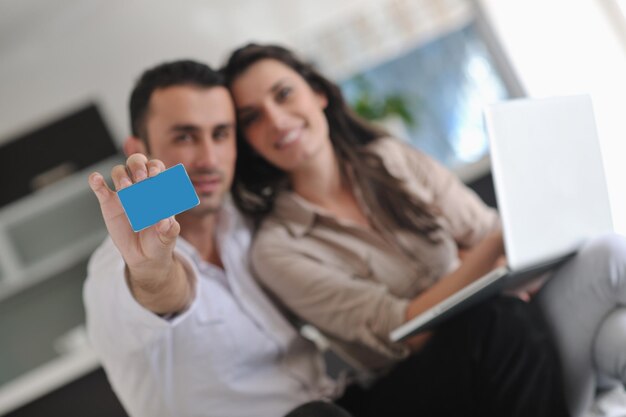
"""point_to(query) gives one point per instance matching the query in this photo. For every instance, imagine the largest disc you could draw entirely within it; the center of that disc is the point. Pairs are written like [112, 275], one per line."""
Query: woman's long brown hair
[257, 182]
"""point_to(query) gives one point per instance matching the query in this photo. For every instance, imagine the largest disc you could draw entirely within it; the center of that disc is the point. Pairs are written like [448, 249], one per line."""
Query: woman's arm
[478, 261]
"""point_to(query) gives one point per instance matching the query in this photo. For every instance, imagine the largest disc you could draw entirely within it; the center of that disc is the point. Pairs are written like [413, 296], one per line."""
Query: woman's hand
[527, 291]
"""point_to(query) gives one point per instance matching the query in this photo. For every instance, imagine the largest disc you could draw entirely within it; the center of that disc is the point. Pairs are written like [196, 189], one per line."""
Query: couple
[355, 233]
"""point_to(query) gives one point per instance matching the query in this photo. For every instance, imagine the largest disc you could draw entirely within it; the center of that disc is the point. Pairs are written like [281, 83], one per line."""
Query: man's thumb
[168, 230]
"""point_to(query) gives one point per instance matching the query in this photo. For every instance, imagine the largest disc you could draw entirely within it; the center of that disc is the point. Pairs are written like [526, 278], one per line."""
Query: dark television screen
[49, 153]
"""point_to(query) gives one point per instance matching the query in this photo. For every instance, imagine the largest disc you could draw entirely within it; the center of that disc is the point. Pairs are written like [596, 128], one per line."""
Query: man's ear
[133, 145]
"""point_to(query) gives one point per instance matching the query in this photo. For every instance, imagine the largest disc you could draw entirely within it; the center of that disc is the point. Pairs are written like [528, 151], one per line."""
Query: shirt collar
[296, 213]
[228, 218]
[229, 223]
[299, 215]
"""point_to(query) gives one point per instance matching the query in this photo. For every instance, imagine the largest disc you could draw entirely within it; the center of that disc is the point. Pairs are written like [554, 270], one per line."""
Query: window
[431, 62]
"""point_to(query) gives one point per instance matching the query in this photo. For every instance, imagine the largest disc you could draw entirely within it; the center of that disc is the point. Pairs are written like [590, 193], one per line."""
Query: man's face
[195, 126]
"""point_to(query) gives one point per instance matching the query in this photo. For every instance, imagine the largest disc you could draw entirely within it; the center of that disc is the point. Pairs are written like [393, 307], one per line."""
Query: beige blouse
[354, 283]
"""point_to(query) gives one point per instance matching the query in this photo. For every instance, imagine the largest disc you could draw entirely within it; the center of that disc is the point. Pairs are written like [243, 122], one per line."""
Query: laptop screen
[549, 176]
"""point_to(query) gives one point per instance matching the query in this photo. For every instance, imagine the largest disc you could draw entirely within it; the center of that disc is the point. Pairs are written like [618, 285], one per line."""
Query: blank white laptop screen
[551, 192]
[549, 176]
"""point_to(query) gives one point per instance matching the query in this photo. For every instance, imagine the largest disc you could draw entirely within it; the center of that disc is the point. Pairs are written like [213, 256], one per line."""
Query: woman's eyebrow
[277, 84]
[274, 88]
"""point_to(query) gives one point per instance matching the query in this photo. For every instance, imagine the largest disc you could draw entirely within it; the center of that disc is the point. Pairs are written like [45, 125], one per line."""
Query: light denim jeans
[585, 305]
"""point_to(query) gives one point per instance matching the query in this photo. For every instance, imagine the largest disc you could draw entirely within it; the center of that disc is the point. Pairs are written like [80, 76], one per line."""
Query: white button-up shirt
[230, 354]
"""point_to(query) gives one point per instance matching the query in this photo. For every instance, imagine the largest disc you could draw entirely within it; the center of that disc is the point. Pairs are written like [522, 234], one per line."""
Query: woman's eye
[283, 93]
[247, 119]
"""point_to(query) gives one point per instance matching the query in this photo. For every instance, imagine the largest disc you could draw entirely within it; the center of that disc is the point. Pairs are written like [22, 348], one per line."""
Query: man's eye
[185, 137]
[221, 134]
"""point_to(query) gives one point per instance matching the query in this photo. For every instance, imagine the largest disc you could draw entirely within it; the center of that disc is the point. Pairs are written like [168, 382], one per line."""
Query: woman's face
[280, 115]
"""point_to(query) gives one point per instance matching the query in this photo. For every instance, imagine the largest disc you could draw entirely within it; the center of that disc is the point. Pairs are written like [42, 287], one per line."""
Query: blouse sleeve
[464, 214]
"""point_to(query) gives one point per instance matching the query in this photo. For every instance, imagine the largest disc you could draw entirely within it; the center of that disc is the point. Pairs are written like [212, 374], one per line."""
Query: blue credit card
[156, 198]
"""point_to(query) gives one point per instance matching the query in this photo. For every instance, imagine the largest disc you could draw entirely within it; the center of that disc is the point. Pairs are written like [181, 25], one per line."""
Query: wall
[94, 50]
[561, 47]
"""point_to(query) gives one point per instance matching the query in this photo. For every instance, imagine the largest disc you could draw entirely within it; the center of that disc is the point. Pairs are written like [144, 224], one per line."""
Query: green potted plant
[391, 111]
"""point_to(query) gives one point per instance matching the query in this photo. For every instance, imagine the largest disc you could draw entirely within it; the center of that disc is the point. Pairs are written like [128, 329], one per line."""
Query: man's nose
[206, 156]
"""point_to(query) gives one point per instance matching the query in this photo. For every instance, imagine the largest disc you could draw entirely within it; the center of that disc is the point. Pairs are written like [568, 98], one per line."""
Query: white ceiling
[26, 21]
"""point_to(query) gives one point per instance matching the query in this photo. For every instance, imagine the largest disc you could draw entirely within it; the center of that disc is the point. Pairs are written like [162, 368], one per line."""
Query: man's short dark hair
[168, 74]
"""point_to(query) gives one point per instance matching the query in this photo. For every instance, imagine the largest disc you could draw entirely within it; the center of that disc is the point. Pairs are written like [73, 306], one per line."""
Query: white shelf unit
[46, 239]
[49, 230]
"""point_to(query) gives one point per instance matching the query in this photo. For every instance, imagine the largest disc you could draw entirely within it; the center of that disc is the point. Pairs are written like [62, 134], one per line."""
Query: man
[180, 325]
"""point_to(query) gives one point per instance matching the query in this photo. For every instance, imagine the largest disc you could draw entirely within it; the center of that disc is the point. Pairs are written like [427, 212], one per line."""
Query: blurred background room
[424, 69]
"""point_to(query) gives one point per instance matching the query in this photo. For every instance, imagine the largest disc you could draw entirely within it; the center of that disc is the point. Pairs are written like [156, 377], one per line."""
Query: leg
[495, 360]
[575, 301]
[609, 350]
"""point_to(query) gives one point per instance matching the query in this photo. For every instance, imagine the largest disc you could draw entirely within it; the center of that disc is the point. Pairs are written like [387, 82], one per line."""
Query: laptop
[551, 193]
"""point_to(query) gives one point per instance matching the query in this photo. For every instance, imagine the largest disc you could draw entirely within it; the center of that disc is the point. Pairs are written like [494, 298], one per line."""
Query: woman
[361, 233]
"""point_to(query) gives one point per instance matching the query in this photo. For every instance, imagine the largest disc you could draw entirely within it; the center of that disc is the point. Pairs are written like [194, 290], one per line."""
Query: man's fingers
[99, 187]
[120, 177]
[137, 166]
[168, 230]
[155, 167]
[159, 240]
[112, 211]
